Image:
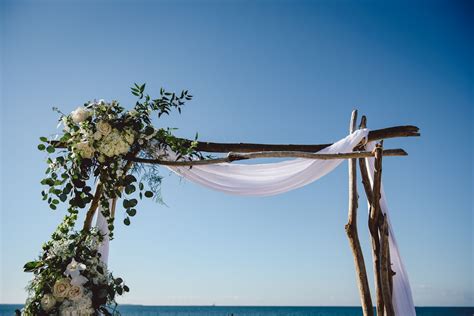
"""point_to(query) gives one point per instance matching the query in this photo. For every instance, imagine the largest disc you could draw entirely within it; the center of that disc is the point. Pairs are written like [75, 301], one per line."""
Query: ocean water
[136, 310]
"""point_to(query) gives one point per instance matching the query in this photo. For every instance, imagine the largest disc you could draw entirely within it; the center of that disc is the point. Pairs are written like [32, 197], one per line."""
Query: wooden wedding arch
[377, 224]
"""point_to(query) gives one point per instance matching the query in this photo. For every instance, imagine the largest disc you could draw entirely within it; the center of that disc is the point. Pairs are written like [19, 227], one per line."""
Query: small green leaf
[132, 212]
[126, 221]
[133, 202]
[126, 203]
[50, 149]
[130, 179]
[149, 130]
[32, 265]
[41, 147]
[43, 139]
[148, 194]
[129, 189]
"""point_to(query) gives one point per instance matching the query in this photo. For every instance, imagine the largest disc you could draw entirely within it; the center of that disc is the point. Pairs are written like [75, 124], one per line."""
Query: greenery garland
[98, 142]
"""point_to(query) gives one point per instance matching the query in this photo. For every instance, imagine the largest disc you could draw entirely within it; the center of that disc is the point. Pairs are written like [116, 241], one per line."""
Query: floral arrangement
[99, 145]
[71, 279]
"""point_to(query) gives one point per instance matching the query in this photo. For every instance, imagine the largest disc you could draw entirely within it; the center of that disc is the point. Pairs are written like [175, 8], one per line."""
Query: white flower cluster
[71, 293]
[104, 139]
[116, 143]
[74, 299]
[60, 249]
[80, 307]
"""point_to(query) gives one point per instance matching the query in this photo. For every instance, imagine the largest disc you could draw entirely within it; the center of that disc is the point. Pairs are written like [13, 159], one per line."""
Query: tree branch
[374, 135]
[94, 205]
[352, 234]
[374, 217]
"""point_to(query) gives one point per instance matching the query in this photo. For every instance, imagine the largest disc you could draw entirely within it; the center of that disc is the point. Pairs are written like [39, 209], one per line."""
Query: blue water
[135, 310]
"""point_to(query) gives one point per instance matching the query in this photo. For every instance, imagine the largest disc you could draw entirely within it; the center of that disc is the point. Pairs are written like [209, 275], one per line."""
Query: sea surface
[137, 310]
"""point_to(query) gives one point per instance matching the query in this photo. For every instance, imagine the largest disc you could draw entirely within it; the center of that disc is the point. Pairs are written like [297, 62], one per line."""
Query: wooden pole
[352, 234]
[385, 268]
[374, 229]
[92, 208]
[95, 201]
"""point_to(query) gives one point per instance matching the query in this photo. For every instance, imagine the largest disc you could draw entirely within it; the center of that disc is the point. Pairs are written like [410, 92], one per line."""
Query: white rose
[104, 128]
[97, 135]
[75, 292]
[74, 268]
[61, 288]
[80, 114]
[84, 149]
[47, 302]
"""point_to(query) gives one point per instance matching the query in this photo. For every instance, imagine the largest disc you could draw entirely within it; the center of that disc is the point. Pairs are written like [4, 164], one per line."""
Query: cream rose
[47, 302]
[80, 114]
[61, 288]
[84, 149]
[104, 128]
[75, 292]
[97, 135]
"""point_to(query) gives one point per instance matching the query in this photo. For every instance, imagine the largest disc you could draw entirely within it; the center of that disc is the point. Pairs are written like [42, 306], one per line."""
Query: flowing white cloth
[269, 178]
[275, 178]
[103, 227]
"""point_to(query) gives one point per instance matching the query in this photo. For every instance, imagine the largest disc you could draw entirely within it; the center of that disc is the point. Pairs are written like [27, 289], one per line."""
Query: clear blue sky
[261, 71]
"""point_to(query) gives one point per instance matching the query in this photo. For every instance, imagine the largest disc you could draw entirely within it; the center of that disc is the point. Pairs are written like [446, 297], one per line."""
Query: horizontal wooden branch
[269, 154]
[374, 135]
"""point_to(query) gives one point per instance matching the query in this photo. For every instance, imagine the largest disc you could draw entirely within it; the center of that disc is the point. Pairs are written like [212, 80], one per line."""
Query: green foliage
[72, 172]
[97, 147]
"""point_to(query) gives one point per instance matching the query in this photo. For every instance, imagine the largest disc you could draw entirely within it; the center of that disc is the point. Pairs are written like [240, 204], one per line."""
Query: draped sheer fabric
[275, 178]
[269, 178]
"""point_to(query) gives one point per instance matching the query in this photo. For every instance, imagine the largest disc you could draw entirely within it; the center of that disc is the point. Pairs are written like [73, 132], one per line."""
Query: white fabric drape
[103, 227]
[275, 178]
[269, 178]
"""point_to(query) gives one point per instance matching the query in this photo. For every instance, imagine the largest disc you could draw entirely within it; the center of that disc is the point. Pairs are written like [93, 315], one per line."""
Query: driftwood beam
[374, 218]
[353, 236]
[363, 166]
[391, 132]
[267, 154]
[385, 269]
[374, 135]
